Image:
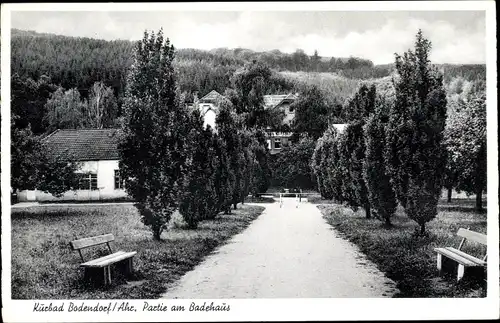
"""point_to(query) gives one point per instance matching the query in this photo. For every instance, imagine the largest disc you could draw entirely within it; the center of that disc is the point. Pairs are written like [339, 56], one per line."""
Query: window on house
[277, 143]
[119, 182]
[87, 181]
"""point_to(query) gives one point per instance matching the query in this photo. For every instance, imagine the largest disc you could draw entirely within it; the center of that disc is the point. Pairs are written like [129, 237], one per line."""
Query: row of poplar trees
[392, 149]
[174, 162]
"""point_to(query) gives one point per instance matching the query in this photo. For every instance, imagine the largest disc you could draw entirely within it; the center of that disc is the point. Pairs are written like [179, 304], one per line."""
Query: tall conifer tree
[154, 152]
[416, 154]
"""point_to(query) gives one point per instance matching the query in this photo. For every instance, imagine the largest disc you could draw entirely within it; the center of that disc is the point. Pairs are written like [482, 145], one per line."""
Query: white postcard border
[269, 309]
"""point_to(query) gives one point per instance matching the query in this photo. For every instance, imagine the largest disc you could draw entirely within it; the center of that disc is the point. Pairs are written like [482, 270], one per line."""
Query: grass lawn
[411, 261]
[45, 267]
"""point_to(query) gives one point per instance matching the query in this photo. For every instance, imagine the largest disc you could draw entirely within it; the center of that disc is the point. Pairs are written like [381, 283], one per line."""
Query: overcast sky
[457, 36]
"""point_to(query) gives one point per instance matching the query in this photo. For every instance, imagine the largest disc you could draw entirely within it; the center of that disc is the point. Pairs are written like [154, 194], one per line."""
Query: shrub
[380, 192]
[199, 196]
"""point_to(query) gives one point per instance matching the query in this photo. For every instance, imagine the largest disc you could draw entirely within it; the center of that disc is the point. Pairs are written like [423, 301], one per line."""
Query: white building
[339, 126]
[208, 107]
[96, 150]
[275, 140]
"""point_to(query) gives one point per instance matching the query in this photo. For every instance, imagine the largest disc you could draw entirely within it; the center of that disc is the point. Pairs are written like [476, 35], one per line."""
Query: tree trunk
[388, 222]
[422, 228]
[449, 194]
[368, 211]
[479, 200]
[157, 234]
[234, 205]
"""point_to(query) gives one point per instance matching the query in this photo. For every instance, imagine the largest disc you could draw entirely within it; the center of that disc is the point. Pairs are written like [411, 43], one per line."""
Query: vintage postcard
[249, 161]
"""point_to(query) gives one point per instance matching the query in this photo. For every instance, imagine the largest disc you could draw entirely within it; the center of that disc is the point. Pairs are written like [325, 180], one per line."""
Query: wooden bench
[105, 262]
[462, 259]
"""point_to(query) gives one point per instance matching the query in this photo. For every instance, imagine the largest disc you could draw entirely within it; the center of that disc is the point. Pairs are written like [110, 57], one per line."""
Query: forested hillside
[79, 62]
[42, 63]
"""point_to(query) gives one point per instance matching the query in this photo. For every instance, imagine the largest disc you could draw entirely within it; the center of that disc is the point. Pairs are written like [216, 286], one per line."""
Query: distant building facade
[96, 150]
[277, 140]
[282, 102]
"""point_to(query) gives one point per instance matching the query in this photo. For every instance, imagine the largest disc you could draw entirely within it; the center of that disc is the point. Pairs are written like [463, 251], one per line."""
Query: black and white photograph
[217, 161]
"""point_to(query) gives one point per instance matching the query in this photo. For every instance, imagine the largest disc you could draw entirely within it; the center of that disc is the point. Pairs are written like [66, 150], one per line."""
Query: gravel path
[287, 252]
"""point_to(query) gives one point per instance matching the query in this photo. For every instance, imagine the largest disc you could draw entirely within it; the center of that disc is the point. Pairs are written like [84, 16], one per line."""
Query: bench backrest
[473, 236]
[92, 241]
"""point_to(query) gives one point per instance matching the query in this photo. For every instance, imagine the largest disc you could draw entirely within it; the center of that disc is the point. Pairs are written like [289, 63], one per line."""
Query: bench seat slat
[90, 263]
[116, 259]
[478, 261]
[92, 241]
[113, 258]
[458, 258]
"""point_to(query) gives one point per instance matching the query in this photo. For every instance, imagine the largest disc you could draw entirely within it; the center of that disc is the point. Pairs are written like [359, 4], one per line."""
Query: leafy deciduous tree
[35, 166]
[102, 108]
[311, 113]
[465, 140]
[247, 95]
[65, 110]
[28, 98]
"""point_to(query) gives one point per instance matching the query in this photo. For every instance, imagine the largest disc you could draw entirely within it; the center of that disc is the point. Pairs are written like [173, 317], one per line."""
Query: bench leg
[130, 266]
[439, 262]
[86, 275]
[107, 275]
[460, 272]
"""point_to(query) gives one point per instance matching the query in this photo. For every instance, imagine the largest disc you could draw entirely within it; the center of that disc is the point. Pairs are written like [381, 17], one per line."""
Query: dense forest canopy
[47, 62]
[80, 62]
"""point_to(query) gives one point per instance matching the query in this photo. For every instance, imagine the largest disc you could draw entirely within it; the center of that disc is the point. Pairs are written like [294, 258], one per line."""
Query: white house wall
[209, 119]
[105, 170]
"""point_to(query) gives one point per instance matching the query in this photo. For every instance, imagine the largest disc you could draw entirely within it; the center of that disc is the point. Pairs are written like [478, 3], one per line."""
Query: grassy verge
[408, 260]
[44, 266]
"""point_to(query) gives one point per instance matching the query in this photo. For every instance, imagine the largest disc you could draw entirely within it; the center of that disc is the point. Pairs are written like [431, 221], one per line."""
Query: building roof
[84, 144]
[211, 97]
[274, 100]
